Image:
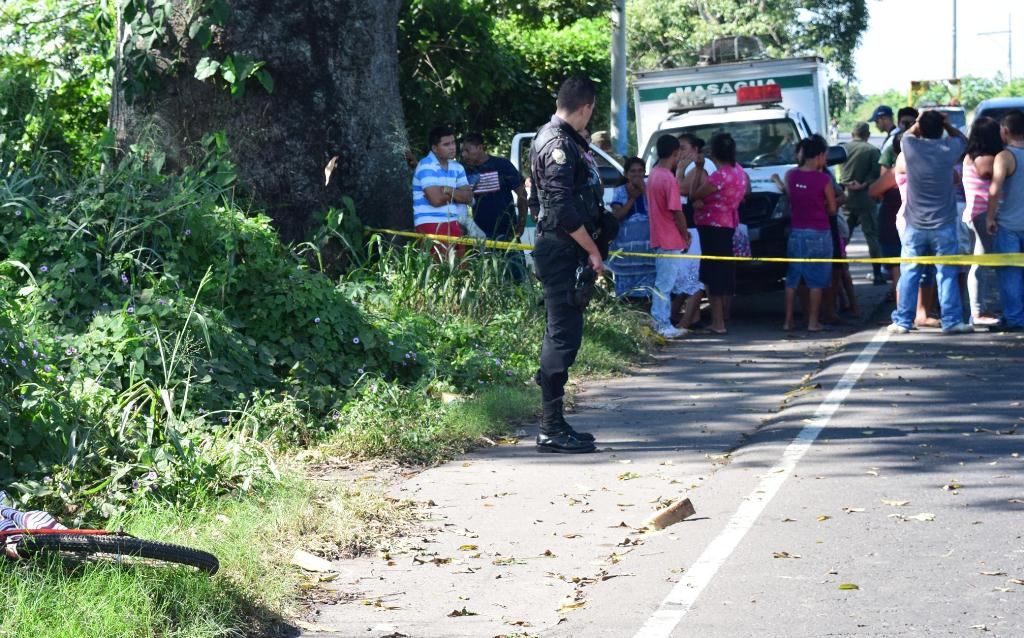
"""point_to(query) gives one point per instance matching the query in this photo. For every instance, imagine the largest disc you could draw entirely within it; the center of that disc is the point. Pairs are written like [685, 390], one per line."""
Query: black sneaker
[563, 443]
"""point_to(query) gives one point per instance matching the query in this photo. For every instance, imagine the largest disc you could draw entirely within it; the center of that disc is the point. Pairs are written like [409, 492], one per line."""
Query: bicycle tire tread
[121, 546]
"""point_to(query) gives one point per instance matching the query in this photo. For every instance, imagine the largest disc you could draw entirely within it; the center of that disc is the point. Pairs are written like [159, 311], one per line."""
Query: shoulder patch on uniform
[558, 155]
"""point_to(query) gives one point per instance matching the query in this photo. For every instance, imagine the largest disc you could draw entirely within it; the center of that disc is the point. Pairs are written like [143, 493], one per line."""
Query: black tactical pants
[556, 259]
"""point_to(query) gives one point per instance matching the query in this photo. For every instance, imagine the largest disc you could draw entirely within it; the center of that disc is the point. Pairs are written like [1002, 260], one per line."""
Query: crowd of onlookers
[928, 190]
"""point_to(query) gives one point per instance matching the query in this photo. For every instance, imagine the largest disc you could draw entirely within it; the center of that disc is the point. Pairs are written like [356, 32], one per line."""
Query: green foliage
[150, 52]
[462, 62]
[667, 34]
[54, 80]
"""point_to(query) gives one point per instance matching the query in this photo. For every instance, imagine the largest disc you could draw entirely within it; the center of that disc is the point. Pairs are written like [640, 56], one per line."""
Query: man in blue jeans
[931, 216]
[1005, 218]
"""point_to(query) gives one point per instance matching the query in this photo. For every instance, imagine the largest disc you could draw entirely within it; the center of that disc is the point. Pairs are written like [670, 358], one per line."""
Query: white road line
[699, 575]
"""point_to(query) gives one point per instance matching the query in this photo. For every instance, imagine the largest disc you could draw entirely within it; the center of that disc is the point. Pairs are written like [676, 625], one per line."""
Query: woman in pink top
[812, 200]
[983, 145]
[716, 213]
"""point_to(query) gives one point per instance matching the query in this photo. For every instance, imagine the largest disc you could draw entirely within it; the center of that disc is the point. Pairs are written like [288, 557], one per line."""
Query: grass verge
[415, 425]
[254, 539]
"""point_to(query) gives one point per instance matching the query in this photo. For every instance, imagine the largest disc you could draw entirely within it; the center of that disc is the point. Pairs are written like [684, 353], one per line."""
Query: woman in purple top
[812, 200]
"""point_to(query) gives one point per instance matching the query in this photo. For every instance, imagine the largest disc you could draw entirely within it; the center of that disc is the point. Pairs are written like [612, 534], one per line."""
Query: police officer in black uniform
[566, 198]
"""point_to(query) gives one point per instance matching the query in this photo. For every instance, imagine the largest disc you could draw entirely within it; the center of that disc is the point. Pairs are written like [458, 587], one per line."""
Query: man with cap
[883, 120]
[859, 171]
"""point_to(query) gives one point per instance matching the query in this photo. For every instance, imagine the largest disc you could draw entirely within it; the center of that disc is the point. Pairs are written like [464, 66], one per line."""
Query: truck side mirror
[835, 155]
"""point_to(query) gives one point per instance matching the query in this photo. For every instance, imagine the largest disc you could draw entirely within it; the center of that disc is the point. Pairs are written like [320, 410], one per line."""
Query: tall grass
[254, 540]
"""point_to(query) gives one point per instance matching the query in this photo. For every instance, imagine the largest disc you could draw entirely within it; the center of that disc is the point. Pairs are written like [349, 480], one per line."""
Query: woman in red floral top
[716, 213]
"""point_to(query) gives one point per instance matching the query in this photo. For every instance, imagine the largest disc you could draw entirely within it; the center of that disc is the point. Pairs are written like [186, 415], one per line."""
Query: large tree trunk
[334, 66]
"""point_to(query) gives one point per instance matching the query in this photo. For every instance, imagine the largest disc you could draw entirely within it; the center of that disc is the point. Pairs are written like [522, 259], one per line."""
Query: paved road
[892, 464]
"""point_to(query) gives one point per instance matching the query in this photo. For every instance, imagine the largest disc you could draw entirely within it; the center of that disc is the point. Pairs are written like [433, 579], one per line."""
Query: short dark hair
[907, 111]
[931, 124]
[1013, 122]
[812, 147]
[723, 148]
[474, 138]
[667, 144]
[628, 164]
[984, 138]
[438, 132]
[692, 140]
[575, 93]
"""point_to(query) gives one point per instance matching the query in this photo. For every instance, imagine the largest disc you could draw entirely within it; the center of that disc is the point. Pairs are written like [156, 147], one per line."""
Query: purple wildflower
[202, 411]
[355, 340]
[3, 360]
[188, 232]
[48, 368]
[135, 485]
[316, 320]
[44, 269]
[72, 270]
[130, 310]
[223, 419]
[60, 378]
[124, 278]
[151, 476]
[18, 213]
[360, 371]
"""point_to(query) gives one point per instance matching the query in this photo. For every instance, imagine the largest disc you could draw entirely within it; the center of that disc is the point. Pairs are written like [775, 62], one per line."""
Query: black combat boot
[558, 436]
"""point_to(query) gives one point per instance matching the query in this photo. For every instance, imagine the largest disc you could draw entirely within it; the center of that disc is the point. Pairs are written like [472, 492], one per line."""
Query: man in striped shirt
[440, 189]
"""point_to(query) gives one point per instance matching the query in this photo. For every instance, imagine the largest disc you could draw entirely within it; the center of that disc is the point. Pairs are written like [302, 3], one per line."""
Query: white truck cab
[609, 167]
[767, 120]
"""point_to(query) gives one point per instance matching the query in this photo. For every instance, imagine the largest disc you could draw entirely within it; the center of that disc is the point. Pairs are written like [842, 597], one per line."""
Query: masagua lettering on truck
[724, 88]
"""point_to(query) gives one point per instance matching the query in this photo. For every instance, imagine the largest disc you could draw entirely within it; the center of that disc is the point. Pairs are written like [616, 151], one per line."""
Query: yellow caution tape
[990, 259]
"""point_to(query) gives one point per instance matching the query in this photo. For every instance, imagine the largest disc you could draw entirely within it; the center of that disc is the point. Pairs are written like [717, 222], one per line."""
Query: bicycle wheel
[115, 547]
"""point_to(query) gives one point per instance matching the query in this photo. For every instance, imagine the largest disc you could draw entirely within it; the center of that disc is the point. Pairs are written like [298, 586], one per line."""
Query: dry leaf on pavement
[895, 503]
[571, 606]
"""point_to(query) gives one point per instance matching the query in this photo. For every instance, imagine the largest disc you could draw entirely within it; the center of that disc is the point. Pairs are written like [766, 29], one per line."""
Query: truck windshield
[760, 143]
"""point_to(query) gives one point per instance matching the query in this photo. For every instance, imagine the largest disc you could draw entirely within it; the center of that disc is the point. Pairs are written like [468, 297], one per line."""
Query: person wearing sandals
[812, 201]
[983, 144]
[716, 212]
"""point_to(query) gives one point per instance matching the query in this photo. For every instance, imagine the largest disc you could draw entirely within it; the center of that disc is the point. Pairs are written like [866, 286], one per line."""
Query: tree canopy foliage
[494, 67]
[671, 33]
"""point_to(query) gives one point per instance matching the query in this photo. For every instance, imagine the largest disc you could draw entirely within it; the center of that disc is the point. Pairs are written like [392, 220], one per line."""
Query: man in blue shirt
[494, 179]
[495, 211]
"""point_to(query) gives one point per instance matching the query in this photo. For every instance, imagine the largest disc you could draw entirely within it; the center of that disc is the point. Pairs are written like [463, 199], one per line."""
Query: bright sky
[913, 40]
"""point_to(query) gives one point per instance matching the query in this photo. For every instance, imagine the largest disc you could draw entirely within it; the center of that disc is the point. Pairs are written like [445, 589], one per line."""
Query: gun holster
[583, 290]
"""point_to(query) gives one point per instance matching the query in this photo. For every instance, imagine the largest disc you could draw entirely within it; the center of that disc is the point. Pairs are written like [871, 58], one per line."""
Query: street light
[1009, 45]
